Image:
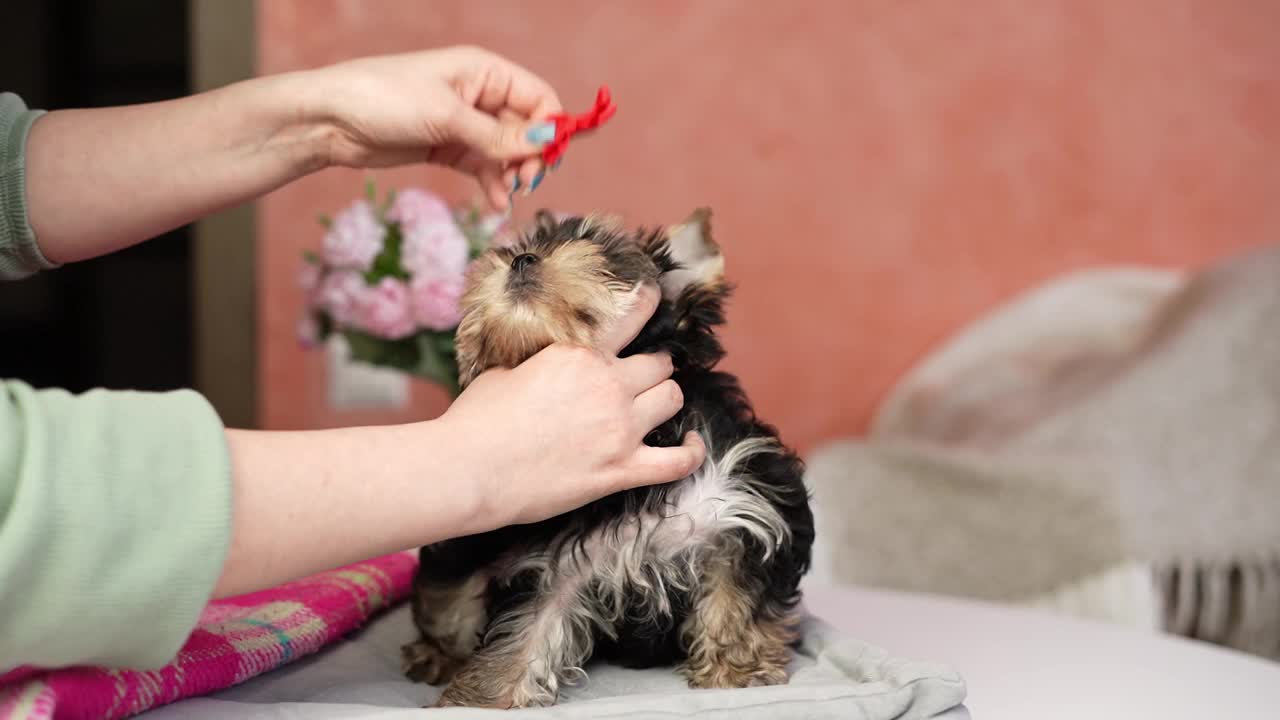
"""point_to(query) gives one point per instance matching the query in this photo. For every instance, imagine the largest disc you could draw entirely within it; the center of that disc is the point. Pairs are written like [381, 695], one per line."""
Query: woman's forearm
[309, 501]
[100, 180]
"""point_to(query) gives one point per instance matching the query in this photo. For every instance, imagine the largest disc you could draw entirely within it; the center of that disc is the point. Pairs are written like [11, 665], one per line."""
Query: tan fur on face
[574, 299]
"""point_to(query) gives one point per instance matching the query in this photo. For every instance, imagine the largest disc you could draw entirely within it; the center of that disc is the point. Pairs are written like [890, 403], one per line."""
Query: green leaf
[387, 263]
[436, 365]
[325, 221]
[325, 325]
[371, 191]
[427, 355]
[311, 257]
[446, 342]
[398, 354]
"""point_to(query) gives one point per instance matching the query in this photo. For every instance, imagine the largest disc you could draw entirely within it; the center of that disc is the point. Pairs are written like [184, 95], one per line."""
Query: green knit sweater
[115, 507]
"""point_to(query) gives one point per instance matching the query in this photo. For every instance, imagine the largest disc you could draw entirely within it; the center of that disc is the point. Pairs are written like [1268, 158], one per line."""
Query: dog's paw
[457, 696]
[426, 663]
[443, 702]
[463, 693]
[768, 676]
[723, 677]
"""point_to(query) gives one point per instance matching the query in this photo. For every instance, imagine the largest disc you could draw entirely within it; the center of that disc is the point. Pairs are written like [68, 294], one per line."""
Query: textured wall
[882, 171]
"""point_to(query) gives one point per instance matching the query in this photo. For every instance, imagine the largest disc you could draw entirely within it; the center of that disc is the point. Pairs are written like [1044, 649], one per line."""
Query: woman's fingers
[653, 466]
[497, 140]
[621, 333]
[530, 171]
[642, 372]
[524, 92]
[658, 404]
[517, 101]
[496, 190]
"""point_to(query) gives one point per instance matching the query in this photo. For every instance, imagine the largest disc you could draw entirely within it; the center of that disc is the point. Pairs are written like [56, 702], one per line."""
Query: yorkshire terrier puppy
[703, 572]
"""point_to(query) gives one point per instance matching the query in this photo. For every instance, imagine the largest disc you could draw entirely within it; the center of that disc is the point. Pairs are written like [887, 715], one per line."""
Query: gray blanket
[833, 677]
[1109, 444]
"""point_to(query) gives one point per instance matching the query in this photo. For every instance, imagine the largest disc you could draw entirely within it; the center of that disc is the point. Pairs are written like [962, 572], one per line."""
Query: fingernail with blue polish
[537, 180]
[541, 134]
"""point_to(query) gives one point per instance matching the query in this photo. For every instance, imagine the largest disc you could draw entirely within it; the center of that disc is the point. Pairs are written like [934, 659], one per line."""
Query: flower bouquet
[389, 278]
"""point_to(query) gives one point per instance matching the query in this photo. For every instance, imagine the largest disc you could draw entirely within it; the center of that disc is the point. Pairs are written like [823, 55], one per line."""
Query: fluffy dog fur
[704, 571]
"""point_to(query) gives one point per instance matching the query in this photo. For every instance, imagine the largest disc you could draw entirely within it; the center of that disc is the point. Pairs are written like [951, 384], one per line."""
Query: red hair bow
[568, 125]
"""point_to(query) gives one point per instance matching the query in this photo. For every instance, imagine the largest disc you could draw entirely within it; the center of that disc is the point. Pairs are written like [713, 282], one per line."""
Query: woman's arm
[122, 513]
[102, 179]
[309, 501]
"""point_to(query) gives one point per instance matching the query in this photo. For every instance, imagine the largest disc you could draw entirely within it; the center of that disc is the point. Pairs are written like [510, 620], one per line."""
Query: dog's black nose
[523, 261]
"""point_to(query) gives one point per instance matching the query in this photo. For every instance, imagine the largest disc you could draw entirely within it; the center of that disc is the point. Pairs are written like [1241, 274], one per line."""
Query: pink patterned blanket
[235, 640]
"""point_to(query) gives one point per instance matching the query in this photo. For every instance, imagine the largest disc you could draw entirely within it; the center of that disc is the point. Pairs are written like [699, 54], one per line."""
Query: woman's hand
[567, 427]
[462, 107]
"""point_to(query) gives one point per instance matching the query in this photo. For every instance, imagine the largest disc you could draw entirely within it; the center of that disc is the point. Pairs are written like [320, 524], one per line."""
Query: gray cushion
[833, 676]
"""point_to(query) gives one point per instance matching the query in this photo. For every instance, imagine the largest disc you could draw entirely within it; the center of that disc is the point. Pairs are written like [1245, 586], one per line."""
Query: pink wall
[882, 171]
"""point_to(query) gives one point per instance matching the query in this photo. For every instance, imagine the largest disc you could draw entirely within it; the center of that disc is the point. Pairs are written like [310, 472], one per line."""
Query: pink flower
[434, 250]
[414, 207]
[339, 295]
[309, 278]
[309, 331]
[383, 310]
[355, 238]
[435, 301]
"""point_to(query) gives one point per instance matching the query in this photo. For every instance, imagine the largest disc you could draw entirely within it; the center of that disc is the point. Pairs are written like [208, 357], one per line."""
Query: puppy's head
[562, 282]
[566, 280]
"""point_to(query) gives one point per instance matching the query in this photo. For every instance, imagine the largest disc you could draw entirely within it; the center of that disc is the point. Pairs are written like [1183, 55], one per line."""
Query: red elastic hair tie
[569, 125]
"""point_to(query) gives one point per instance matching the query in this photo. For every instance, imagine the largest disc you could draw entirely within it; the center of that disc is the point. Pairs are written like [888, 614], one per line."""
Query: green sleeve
[115, 519]
[19, 254]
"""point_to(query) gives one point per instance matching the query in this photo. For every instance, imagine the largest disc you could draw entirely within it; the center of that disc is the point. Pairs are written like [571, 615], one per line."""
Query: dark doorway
[122, 321]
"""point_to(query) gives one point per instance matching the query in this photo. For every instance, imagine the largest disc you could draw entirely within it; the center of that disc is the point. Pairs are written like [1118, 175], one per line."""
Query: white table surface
[1030, 665]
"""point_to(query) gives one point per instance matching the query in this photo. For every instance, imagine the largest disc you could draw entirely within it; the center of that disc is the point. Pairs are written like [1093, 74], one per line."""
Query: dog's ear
[690, 244]
[544, 219]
